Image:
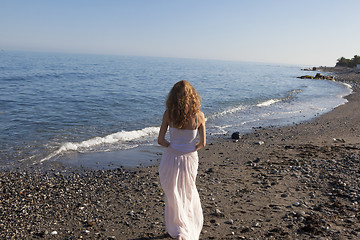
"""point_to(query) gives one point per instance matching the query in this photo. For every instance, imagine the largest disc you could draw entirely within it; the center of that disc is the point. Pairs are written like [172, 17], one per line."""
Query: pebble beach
[295, 182]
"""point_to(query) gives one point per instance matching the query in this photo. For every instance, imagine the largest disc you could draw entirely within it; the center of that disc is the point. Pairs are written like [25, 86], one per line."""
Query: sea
[104, 111]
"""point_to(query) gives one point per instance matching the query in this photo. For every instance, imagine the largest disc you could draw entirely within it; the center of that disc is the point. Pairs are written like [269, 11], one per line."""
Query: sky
[306, 32]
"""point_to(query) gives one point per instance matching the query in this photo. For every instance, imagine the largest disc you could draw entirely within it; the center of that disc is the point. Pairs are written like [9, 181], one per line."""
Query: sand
[296, 182]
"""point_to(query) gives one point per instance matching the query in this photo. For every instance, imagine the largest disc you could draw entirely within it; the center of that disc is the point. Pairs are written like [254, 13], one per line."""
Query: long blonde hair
[182, 103]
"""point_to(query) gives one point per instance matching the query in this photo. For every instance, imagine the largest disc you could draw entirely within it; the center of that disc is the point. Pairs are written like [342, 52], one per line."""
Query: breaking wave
[290, 95]
[119, 137]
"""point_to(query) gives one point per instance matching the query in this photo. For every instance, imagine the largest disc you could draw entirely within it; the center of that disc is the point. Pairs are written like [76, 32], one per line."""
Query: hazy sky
[311, 32]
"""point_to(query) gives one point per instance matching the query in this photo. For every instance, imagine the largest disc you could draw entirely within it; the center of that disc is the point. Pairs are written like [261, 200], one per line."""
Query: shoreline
[294, 182]
[67, 151]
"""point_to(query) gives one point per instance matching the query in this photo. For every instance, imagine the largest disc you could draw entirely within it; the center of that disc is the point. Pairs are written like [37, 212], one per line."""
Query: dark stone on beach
[245, 229]
[236, 135]
[306, 77]
[309, 69]
[317, 76]
[230, 222]
[338, 140]
[210, 170]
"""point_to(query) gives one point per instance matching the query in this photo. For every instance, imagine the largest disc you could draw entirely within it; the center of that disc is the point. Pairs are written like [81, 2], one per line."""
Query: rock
[210, 170]
[306, 77]
[218, 213]
[312, 195]
[259, 143]
[235, 135]
[90, 223]
[300, 214]
[43, 233]
[317, 76]
[245, 229]
[230, 221]
[338, 140]
[54, 233]
[309, 69]
[256, 225]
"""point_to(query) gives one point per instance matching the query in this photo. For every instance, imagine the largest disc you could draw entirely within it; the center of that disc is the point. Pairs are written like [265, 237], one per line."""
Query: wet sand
[296, 182]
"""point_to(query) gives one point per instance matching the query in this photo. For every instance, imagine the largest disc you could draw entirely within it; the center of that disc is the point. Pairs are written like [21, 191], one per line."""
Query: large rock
[309, 69]
[317, 76]
[236, 135]
[306, 77]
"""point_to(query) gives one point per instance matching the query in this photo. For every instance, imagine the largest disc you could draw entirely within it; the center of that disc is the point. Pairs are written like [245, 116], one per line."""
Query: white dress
[178, 170]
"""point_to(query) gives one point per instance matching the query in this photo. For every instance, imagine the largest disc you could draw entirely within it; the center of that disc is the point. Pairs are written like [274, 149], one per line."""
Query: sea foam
[268, 102]
[119, 137]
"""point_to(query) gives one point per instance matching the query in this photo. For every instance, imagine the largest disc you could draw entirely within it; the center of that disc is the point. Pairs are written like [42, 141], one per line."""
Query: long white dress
[178, 170]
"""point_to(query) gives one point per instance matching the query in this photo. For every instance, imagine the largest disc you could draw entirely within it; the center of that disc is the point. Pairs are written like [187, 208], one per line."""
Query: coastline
[294, 182]
[344, 74]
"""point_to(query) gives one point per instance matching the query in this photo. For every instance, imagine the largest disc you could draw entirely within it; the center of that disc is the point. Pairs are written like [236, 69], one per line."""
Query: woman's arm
[202, 132]
[163, 129]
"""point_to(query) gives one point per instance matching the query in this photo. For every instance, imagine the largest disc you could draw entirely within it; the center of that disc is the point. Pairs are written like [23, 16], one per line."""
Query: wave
[119, 137]
[228, 111]
[268, 102]
[347, 85]
[290, 95]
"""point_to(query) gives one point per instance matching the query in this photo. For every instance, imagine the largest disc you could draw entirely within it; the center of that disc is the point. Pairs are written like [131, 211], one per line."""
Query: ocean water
[55, 105]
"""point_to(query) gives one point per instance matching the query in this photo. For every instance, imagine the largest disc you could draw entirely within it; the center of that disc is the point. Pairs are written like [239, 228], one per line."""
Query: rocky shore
[296, 182]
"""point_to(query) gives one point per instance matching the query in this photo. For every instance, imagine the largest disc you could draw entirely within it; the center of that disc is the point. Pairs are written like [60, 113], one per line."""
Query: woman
[179, 163]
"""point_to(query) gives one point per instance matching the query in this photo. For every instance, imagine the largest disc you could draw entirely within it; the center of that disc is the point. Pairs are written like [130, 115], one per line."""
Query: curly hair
[182, 103]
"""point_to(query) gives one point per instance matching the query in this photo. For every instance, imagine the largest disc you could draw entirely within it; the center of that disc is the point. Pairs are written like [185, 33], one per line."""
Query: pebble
[218, 213]
[230, 221]
[300, 214]
[256, 224]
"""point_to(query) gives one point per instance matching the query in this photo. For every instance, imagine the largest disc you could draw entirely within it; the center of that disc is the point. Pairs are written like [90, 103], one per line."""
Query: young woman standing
[179, 163]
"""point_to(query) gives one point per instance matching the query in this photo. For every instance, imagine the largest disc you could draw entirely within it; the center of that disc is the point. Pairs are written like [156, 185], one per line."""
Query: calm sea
[57, 105]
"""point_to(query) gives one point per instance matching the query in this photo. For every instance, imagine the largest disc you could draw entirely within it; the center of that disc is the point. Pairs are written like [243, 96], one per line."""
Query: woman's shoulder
[201, 115]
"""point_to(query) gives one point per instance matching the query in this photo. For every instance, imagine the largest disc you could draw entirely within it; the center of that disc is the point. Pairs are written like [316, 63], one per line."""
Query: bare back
[193, 123]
